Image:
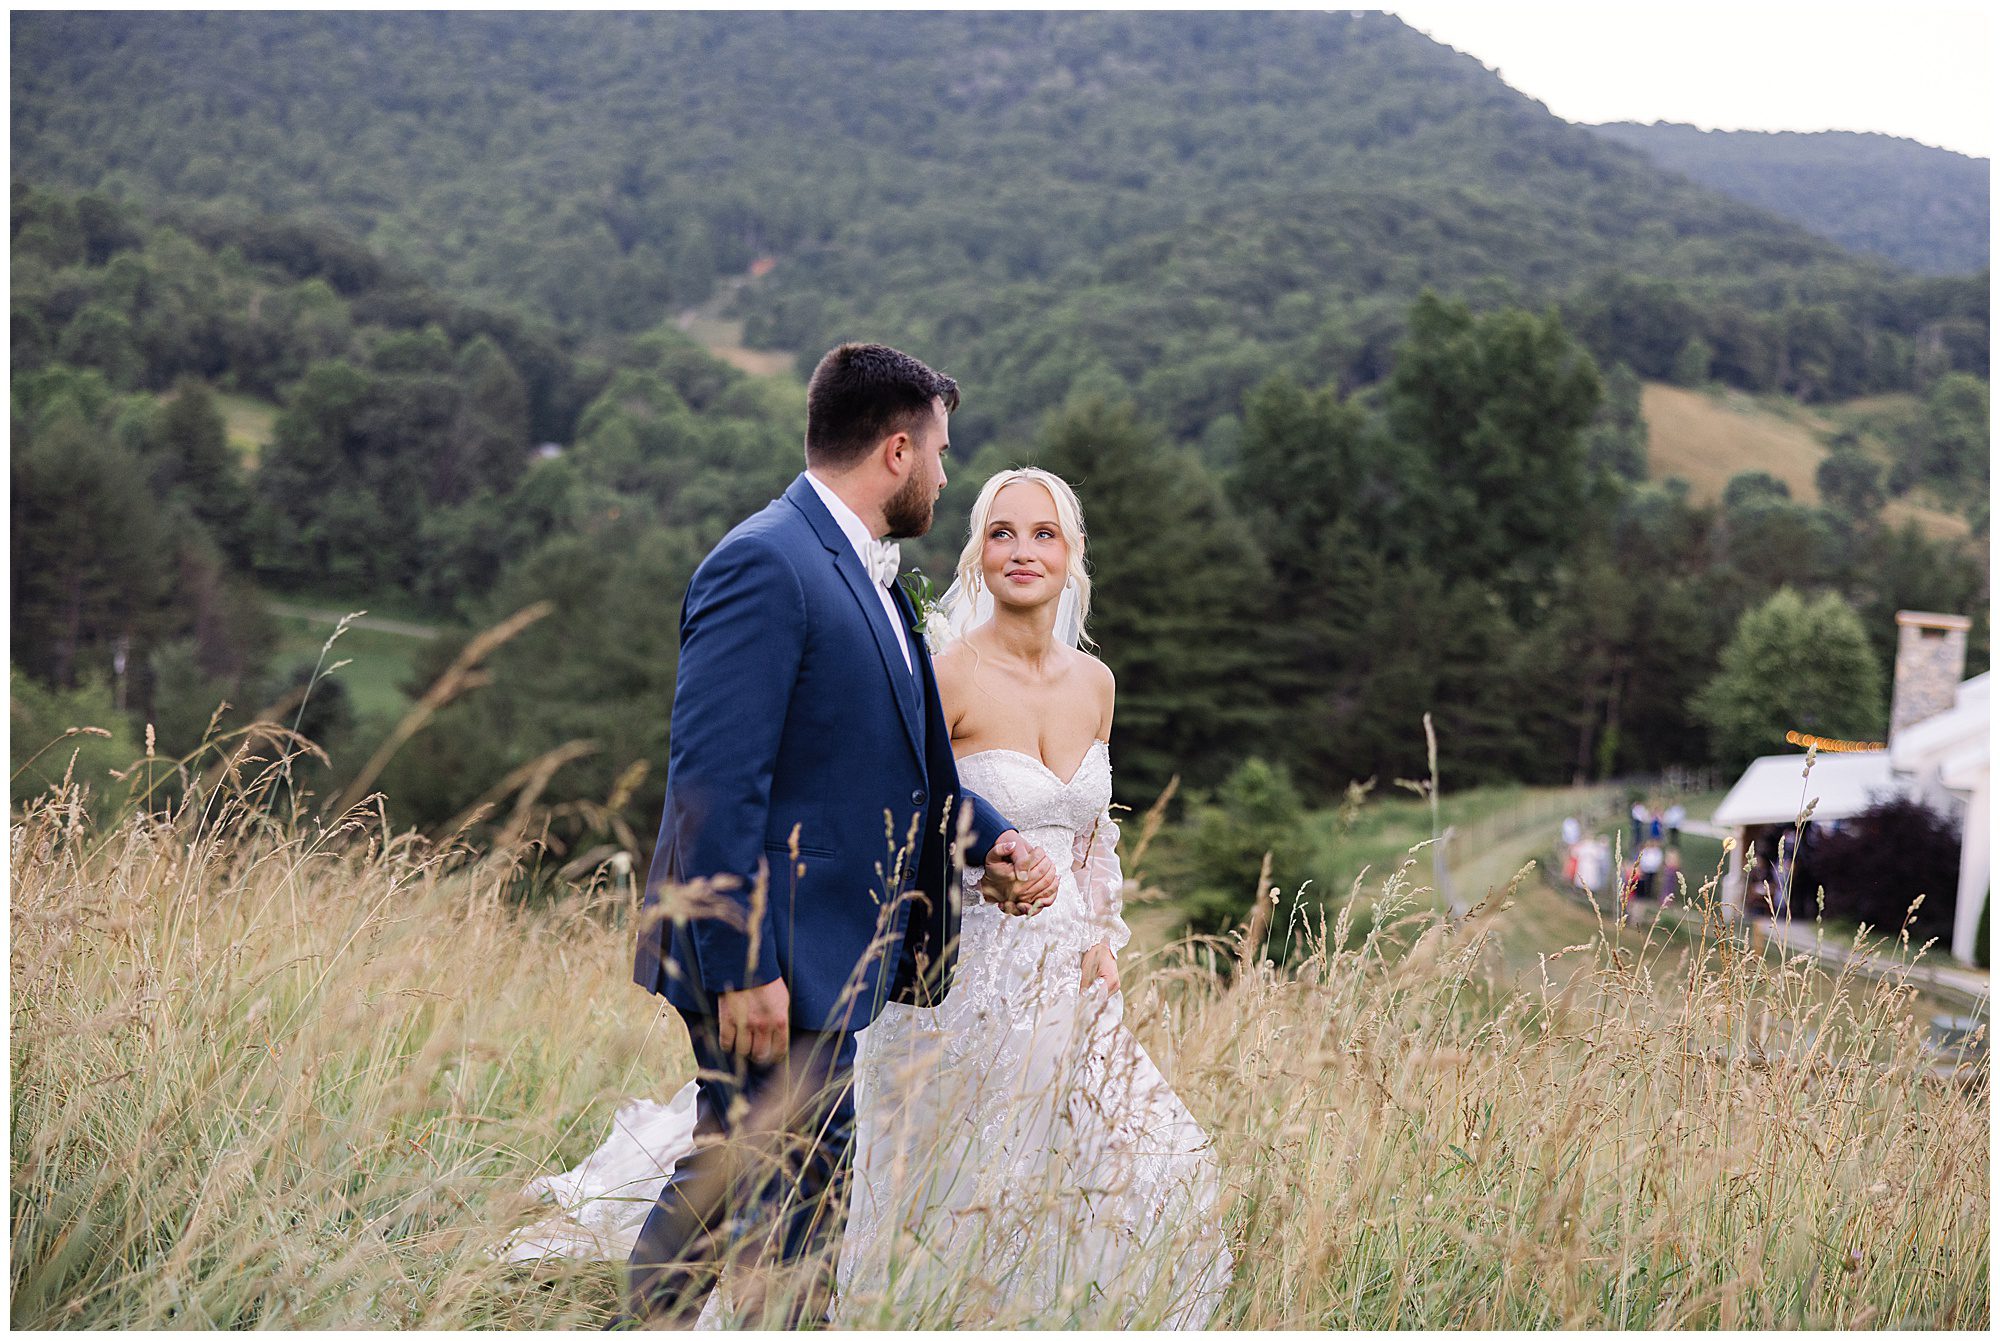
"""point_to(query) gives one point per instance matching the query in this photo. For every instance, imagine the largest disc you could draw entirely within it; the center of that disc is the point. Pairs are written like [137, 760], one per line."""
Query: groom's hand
[755, 1022]
[1019, 876]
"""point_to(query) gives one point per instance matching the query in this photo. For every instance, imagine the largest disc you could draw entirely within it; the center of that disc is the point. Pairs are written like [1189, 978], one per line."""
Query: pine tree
[1314, 496]
[1494, 409]
[91, 556]
[192, 466]
[1177, 583]
[486, 446]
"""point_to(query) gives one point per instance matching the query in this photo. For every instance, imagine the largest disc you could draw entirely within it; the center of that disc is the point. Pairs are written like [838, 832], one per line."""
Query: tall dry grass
[282, 1074]
[1672, 1138]
[278, 1071]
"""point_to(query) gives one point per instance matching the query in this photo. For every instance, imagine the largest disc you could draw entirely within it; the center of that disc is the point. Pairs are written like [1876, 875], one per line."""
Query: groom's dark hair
[860, 394]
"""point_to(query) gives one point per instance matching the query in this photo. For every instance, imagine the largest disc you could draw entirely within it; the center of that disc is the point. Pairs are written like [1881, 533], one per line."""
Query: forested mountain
[403, 463]
[1923, 208]
[1168, 205]
[1341, 340]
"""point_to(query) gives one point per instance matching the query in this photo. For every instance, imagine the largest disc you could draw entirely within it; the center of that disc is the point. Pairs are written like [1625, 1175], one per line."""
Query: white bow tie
[884, 559]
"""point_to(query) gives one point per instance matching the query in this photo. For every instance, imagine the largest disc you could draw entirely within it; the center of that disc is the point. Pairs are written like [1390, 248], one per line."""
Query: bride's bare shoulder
[954, 669]
[952, 660]
[1097, 675]
[1098, 672]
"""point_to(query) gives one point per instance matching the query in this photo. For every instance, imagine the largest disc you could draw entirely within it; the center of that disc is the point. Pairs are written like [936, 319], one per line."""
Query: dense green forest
[1341, 341]
[1928, 210]
[1163, 206]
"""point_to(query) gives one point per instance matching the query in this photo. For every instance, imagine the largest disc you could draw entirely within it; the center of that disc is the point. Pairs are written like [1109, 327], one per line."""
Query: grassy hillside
[1921, 207]
[379, 660]
[1707, 437]
[251, 423]
[276, 1076]
[710, 326]
[248, 422]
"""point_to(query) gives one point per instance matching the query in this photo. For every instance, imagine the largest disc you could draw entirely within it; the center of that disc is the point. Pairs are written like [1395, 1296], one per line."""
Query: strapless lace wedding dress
[1018, 1156]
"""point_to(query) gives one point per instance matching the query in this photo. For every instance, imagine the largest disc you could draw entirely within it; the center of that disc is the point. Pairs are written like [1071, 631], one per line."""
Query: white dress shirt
[857, 535]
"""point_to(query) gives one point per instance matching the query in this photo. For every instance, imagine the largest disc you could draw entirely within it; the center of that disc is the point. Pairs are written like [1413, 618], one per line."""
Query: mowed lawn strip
[378, 662]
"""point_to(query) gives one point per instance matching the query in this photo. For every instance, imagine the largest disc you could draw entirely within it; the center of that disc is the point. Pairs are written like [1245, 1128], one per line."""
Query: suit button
[918, 797]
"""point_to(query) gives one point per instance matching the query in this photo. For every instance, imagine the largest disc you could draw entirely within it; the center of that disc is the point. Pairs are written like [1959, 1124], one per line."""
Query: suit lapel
[929, 706]
[902, 682]
[916, 675]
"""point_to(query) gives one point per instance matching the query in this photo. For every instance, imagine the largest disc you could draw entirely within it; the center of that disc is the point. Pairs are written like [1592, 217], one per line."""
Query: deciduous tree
[1793, 665]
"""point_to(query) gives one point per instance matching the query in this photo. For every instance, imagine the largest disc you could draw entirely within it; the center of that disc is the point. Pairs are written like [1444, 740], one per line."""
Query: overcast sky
[1918, 69]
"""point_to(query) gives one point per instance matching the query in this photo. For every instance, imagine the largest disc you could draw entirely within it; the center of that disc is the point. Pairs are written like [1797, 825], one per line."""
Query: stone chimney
[1930, 661]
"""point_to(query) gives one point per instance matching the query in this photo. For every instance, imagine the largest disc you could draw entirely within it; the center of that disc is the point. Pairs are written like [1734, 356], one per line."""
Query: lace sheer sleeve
[1101, 880]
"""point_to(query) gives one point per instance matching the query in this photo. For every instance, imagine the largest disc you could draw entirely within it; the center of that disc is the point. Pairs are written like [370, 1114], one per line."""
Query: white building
[1946, 762]
[1938, 753]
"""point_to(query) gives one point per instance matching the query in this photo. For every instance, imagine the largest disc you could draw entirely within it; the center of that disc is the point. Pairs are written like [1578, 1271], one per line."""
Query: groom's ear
[897, 452]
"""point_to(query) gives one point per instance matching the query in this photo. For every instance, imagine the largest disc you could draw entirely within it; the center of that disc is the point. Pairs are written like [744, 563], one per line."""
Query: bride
[1018, 1156]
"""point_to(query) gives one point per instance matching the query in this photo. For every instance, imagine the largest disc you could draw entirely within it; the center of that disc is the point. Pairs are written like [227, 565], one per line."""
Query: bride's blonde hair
[1069, 520]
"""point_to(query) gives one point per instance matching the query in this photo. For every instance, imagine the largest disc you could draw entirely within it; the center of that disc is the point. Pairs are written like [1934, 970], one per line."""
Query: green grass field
[379, 663]
[1382, 831]
[1495, 832]
[332, 603]
[723, 337]
[1369, 842]
[249, 423]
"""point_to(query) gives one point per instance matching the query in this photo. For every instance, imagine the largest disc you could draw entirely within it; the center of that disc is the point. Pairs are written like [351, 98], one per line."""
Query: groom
[814, 807]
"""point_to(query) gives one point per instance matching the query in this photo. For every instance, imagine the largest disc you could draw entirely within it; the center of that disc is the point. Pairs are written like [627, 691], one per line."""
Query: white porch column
[1732, 882]
[1974, 871]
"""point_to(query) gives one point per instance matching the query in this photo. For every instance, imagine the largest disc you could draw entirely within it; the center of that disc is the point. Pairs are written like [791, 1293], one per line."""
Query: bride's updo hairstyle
[1069, 519]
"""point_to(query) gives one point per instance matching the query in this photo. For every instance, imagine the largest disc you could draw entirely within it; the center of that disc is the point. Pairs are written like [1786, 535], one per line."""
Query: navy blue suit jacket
[797, 722]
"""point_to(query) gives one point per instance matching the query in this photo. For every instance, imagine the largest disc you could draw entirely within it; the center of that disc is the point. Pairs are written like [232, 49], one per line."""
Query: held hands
[1019, 876]
[755, 1022]
[1100, 965]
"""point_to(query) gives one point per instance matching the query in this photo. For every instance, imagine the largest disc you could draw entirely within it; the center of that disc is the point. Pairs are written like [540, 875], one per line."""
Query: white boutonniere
[931, 622]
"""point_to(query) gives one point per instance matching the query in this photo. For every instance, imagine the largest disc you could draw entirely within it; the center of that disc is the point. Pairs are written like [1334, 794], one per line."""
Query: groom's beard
[909, 512]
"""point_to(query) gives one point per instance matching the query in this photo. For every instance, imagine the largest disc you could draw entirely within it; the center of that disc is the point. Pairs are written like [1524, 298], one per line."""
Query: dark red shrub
[1877, 865]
